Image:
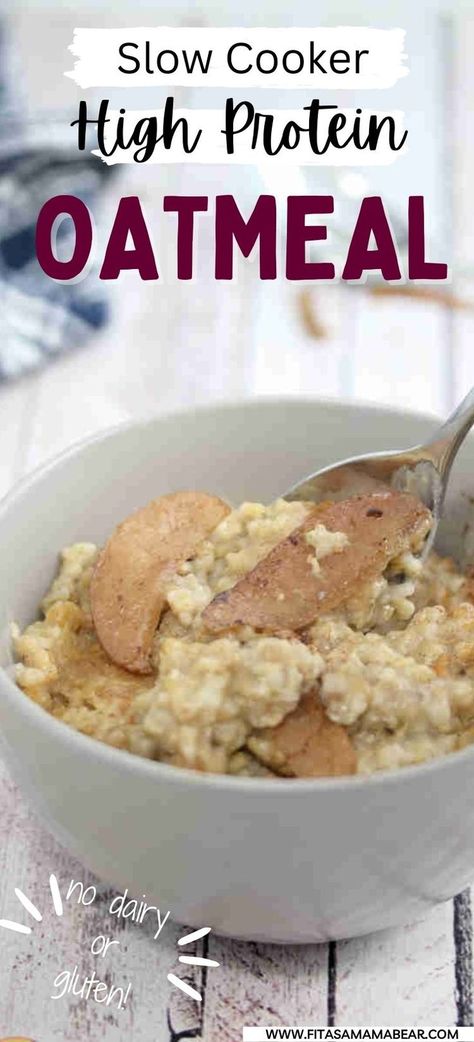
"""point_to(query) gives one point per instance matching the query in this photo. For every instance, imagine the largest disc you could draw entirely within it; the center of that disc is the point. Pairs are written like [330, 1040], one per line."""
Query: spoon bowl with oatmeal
[216, 686]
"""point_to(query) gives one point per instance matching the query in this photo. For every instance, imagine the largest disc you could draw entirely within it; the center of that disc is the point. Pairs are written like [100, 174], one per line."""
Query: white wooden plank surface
[400, 355]
[27, 857]
[14, 402]
[264, 984]
[413, 982]
[463, 369]
[288, 360]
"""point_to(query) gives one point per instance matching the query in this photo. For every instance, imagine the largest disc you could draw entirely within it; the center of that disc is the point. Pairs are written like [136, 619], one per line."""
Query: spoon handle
[450, 436]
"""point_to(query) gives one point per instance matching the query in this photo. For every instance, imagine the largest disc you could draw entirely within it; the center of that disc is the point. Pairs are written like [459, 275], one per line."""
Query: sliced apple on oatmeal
[294, 583]
[307, 744]
[129, 580]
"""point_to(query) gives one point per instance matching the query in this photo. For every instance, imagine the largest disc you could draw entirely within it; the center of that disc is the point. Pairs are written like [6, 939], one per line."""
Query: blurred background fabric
[39, 318]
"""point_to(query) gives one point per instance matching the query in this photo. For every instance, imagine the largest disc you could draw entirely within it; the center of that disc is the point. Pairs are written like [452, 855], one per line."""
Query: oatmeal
[286, 639]
[238, 544]
[324, 543]
[210, 697]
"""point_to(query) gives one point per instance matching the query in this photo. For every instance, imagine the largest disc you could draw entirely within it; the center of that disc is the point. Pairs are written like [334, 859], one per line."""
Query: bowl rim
[183, 776]
[147, 419]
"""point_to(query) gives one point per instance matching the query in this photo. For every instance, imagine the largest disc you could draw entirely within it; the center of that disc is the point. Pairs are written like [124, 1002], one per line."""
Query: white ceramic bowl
[292, 861]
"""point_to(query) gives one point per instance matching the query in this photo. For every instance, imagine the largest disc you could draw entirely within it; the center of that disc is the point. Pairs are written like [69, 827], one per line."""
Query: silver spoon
[423, 470]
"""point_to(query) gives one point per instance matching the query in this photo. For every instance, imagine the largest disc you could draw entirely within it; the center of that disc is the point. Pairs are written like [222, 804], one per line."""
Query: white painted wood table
[173, 345]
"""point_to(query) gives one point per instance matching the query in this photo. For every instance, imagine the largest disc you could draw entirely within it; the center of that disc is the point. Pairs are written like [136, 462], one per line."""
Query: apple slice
[143, 553]
[307, 744]
[283, 592]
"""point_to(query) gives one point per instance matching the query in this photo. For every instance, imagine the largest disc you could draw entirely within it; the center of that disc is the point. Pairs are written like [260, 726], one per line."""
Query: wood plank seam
[205, 954]
[181, 1036]
[463, 967]
[332, 984]
[198, 980]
